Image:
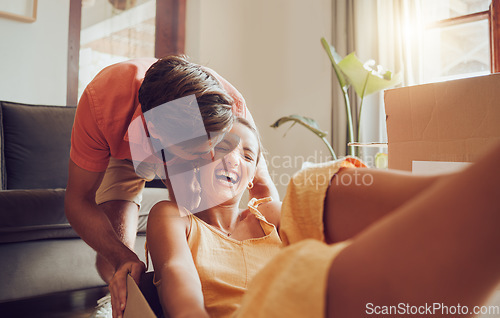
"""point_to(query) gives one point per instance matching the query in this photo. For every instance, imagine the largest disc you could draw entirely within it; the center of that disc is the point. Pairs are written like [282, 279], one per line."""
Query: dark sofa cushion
[27, 215]
[20, 208]
[3, 180]
[36, 142]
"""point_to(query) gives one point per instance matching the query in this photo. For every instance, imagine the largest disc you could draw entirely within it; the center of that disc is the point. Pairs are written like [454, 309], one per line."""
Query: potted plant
[364, 78]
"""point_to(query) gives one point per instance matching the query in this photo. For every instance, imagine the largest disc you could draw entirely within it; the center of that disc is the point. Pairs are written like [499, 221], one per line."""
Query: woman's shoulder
[168, 208]
[271, 210]
[168, 212]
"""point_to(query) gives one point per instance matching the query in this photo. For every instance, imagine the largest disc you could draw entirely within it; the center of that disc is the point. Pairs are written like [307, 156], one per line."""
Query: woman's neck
[223, 217]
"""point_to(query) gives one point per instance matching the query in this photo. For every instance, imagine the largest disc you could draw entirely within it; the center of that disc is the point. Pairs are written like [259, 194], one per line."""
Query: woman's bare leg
[357, 198]
[442, 246]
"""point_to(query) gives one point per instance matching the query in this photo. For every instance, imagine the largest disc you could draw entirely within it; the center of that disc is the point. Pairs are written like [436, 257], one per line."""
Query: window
[456, 41]
[110, 35]
[103, 32]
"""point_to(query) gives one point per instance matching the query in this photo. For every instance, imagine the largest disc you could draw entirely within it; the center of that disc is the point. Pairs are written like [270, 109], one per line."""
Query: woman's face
[227, 177]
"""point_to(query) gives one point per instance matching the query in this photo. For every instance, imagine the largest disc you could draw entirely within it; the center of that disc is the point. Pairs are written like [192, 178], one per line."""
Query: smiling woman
[209, 257]
[234, 168]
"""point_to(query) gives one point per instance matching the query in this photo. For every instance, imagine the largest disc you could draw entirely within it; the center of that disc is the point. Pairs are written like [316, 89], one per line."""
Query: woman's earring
[250, 185]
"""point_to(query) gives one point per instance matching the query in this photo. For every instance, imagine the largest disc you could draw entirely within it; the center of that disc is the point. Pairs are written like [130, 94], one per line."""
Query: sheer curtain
[387, 31]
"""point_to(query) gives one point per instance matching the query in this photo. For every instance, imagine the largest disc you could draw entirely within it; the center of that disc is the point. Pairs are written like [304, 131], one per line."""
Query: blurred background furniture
[39, 251]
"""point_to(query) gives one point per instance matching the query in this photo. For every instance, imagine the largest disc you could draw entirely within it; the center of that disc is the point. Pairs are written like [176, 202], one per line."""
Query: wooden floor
[75, 304]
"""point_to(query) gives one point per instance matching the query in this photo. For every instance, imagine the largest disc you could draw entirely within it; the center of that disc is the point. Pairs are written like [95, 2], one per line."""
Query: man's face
[202, 152]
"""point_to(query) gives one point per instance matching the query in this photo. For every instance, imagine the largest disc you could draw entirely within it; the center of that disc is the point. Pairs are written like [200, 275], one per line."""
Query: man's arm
[94, 228]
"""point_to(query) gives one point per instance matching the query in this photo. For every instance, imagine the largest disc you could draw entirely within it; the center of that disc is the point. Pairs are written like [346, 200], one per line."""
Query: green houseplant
[364, 78]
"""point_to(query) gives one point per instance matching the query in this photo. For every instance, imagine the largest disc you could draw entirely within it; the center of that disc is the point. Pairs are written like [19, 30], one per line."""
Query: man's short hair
[173, 77]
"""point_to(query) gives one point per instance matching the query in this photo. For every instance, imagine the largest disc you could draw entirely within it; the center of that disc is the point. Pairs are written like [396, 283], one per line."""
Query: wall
[33, 58]
[271, 51]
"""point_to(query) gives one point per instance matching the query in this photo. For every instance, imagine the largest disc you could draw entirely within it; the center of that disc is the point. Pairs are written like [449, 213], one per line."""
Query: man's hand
[118, 284]
[95, 228]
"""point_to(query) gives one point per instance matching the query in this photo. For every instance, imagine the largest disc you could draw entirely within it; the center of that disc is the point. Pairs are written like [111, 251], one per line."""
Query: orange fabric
[106, 108]
[352, 162]
[294, 283]
[302, 208]
[225, 265]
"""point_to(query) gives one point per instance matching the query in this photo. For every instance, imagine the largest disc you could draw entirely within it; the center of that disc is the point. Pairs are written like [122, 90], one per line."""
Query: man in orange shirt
[104, 191]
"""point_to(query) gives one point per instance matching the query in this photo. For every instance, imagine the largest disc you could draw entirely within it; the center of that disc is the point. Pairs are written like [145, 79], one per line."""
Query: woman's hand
[118, 284]
[263, 183]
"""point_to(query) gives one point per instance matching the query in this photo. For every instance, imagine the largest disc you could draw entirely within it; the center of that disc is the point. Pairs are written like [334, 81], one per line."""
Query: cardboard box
[448, 121]
[137, 306]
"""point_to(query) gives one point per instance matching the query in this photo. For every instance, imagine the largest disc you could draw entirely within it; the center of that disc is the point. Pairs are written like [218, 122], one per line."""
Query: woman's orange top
[226, 265]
